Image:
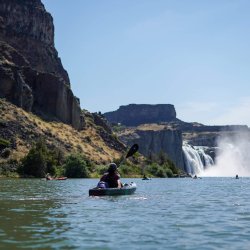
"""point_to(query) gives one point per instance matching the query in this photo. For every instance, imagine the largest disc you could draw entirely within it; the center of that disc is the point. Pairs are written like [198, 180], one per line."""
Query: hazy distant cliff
[31, 73]
[135, 114]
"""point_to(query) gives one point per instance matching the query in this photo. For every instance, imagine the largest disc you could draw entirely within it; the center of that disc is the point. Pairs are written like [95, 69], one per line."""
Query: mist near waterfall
[232, 156]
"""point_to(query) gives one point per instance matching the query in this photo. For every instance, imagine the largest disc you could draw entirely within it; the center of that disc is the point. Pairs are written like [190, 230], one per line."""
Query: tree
[76, 166]
[38, 161]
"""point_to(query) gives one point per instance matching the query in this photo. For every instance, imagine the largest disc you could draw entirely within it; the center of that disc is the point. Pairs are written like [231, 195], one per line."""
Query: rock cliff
[153, 139]
[31, 73]
[136, 114]
[156, 129]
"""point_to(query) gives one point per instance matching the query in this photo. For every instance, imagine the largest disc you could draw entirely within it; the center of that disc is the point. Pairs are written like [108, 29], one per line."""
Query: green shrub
[76, 167]
[117, 128]
[59, 171]
[152, 169]
[156, 170]
[169, 173]
[173, 168]
[38, 161]
[161, 172]
[101, 169]
[9, 168]
[127, 170]
[161, 166]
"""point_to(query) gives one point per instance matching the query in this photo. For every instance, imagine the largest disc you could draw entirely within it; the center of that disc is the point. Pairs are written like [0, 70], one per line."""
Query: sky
[190, 53]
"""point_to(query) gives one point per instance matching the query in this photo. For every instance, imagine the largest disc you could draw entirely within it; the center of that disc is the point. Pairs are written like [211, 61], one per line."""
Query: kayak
[61, 178]
[125, 190]
[56, 179]
[146, 179]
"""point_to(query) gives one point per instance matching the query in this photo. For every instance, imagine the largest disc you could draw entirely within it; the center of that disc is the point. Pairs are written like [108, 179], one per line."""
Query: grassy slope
[22, 128]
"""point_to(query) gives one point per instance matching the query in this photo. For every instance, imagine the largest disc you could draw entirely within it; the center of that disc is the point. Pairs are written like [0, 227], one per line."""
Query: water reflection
[31, 214]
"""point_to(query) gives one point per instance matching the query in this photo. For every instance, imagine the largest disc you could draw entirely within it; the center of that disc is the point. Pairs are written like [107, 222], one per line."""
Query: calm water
[208, 213]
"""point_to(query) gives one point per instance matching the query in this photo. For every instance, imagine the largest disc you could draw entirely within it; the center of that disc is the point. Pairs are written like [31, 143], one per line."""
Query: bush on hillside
[76, 166]
[128, 170]
[38, 161]
[155, 170]
[169, 173]
[160, 165]
[159, 171]
[9, 168]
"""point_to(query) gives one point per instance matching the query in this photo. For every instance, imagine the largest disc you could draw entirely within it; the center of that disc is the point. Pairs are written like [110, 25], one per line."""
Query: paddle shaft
[131, 152]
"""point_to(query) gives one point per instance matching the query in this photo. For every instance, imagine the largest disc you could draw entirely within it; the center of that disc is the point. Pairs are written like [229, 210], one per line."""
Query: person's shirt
[111, 179]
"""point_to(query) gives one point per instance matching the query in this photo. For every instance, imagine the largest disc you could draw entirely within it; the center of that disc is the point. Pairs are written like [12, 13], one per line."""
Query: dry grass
[87, 141]
[153, 126]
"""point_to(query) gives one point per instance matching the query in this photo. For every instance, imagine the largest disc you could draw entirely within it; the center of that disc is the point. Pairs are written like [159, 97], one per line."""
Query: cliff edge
[136, 114]
[31, 73]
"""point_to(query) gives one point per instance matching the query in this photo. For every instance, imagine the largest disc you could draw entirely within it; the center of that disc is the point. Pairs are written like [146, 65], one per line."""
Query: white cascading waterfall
[195, 158]
[232, 156]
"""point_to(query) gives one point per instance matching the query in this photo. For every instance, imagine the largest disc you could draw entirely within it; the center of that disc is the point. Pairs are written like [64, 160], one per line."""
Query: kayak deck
[57, 179]
[127, 189]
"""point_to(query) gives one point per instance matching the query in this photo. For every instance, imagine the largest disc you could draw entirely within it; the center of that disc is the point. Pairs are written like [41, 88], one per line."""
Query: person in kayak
[112, 177]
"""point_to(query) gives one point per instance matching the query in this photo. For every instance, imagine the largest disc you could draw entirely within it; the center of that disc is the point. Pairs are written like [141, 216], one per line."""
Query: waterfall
[232, 156]
[195, 158]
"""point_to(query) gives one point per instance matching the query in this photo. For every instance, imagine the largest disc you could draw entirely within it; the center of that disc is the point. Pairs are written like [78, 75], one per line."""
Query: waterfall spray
[232, 156]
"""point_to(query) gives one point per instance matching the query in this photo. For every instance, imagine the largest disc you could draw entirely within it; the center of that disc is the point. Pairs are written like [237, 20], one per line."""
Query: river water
[207, 213]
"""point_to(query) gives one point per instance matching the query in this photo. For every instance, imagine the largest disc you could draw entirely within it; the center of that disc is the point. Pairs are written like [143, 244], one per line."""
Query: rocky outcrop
[26, 26]
[155, 140]
[31, 73]
[136, 114]
[105, 131]
[101, 121]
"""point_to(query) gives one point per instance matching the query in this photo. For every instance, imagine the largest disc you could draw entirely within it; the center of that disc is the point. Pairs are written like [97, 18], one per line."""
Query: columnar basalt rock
[31, 73]
[154, 141]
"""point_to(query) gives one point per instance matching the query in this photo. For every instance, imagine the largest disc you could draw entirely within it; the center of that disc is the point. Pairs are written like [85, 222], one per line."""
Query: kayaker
[236, 177]
[112, 177]
[48, 177]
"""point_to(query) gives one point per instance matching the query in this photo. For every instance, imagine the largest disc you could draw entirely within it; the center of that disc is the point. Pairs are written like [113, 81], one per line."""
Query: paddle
[131, 151]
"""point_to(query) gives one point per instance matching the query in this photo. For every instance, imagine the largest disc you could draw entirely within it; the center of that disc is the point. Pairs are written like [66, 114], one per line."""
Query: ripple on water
[162, 214]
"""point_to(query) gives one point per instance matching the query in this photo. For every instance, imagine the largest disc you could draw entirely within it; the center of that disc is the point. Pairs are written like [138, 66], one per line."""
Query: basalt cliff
[31, 73]
[149, 126]
[157, 129]
[35, 95]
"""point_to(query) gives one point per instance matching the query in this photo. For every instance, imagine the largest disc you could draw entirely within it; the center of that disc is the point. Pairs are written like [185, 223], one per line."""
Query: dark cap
[112, 167]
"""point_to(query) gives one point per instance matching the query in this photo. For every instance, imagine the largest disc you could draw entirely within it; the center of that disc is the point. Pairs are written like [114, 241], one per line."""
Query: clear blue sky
[194, 54]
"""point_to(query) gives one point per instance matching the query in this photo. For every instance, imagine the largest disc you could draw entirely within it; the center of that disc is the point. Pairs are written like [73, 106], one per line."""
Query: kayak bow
[125, 190]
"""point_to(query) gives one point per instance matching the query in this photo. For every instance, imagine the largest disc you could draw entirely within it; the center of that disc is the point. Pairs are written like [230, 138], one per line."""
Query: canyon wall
[31, 73]
[156, 140]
